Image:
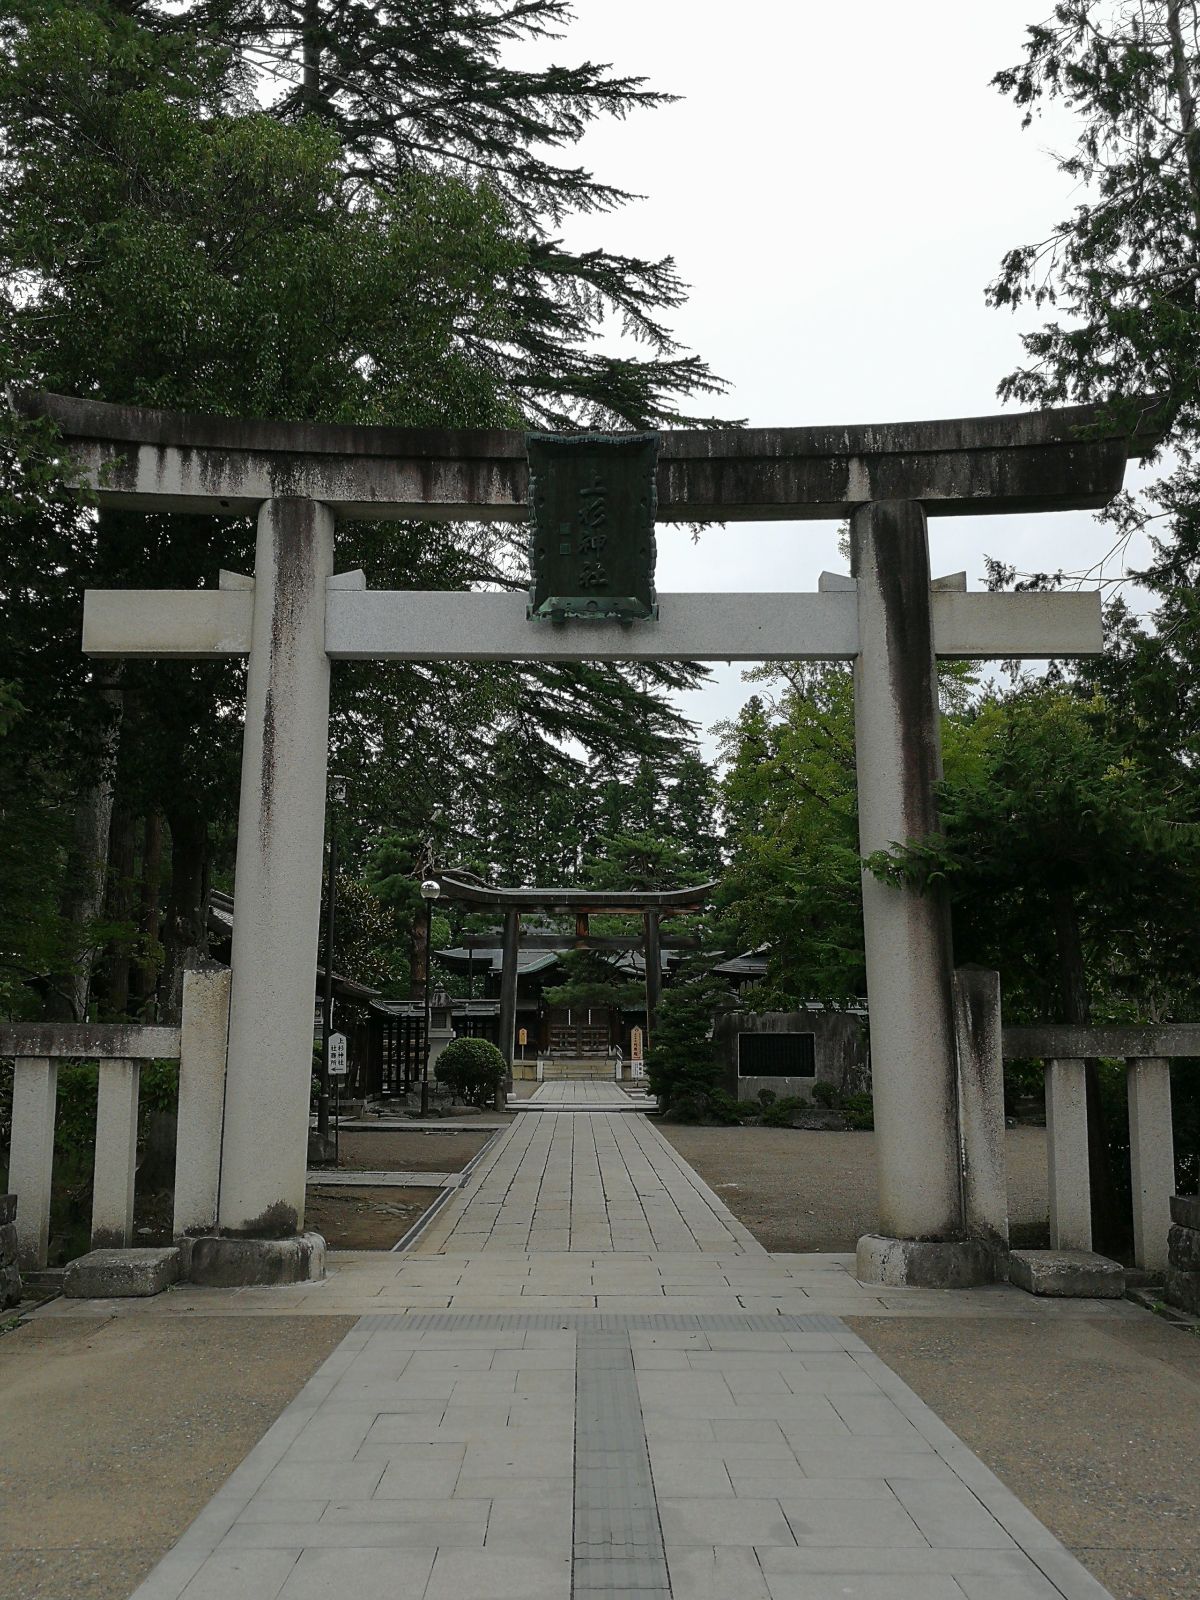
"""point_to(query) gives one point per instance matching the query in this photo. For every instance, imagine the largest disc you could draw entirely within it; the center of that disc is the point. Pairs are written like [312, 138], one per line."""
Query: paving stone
[589, 1379]
[718, 1522]
[366, 1574]
[492, 1575]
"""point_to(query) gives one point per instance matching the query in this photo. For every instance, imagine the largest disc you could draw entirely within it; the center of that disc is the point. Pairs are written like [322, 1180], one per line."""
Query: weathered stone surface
[123, 1041]
[1183, 1249]
[1070, 1274]
[111, 1274]
[220, 1262]
[228, 466]
[1182, 1289]
[10, 1277]
[924, 1263]
[1185, 1210]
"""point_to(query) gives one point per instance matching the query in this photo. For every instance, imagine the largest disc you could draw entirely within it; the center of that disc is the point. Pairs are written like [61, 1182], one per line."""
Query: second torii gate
[295, 616]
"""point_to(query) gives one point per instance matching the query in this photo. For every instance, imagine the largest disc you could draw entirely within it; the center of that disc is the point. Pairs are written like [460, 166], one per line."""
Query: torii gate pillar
[908, 951]
[277, 887]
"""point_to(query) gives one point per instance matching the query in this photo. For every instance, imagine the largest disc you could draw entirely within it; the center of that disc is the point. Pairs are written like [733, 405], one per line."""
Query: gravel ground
[797, 1190]
[1095, 1425]
[95, 1410]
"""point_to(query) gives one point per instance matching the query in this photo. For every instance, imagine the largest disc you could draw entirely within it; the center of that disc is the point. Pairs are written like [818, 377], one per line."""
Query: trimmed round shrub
[472, 1069]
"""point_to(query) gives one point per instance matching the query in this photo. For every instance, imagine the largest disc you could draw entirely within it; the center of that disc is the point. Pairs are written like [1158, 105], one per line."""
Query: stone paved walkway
[516, 1417]
[586, 1094]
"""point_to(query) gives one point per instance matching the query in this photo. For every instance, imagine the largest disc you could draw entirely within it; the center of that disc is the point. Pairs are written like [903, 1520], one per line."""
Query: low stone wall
[10, 1278]
[1183, 1254]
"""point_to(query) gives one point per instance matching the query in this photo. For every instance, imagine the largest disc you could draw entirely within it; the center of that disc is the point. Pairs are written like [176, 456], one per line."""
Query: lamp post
[337, 796]
[430, 891]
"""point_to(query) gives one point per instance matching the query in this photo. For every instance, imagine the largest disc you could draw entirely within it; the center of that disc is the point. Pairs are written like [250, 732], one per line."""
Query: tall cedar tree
[416, 86]
[166, 243]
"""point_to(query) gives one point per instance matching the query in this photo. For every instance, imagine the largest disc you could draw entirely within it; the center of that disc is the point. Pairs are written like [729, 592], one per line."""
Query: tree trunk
[121, 884]
[144, 977]
[1077, 1008]
[185, 934]
[1185, 94]
[310, 84]
[418, 967]
[87, 865]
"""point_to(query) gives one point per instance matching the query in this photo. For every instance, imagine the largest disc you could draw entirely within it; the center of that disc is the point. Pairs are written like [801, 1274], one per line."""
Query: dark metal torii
[649, 904]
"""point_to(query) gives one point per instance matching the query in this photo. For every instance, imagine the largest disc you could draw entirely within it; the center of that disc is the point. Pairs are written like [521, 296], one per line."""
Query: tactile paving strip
[618, 1547]
[598, 1322]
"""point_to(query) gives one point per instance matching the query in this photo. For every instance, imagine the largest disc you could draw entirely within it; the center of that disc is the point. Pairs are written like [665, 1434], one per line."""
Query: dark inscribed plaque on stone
[777, 1055]
[592, 500]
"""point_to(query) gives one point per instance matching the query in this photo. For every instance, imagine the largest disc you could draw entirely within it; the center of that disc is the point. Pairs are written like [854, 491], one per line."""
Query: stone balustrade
[199, 1045]
[1148, 1052]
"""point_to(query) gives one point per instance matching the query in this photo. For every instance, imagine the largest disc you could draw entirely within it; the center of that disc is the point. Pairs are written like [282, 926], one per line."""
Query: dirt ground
[365, 1219]
[797, 1190]
[405, 1151]
[94, 1409]
[1094, 1424]
[374, 1219]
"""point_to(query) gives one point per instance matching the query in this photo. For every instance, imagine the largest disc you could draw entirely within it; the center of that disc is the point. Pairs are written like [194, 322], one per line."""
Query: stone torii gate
[296, 615]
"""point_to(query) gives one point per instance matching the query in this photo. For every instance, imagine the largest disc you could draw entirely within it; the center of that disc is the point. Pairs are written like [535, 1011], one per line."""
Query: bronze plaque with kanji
[592, 500]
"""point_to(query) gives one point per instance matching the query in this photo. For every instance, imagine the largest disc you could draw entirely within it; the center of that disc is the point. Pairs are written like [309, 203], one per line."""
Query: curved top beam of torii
[464, 886]
[1067, 459]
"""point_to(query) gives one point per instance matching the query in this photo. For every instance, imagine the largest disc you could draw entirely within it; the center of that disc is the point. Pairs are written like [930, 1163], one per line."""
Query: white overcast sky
[838, 185]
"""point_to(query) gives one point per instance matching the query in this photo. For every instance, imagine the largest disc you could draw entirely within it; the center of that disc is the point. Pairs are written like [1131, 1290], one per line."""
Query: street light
[430, 891]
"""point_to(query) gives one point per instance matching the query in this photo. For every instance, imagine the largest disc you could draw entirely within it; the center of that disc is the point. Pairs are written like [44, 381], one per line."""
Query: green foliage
[716, 1105]
[682, 1063]
[793, 881]
[472, 1069]
[859, 1110]
[1061, 853]
[594, 981]
[781, 1113]
[75, 1120]
[826, 1094]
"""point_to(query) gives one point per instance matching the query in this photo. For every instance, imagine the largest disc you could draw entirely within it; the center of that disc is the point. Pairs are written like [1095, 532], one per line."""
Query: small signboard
[637, 1062]
[337, 1055]
[592, 500]
[523, 1037]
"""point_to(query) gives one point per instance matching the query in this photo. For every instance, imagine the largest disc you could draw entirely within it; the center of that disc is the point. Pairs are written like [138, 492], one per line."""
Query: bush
[827, 1095]
[860, 1112]
[472, 1069]
[781, 1113]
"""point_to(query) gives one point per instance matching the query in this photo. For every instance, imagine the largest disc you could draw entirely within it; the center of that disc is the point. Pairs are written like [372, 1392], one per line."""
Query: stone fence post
[31, 1163]
[981, 1105]
[203, 1045]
